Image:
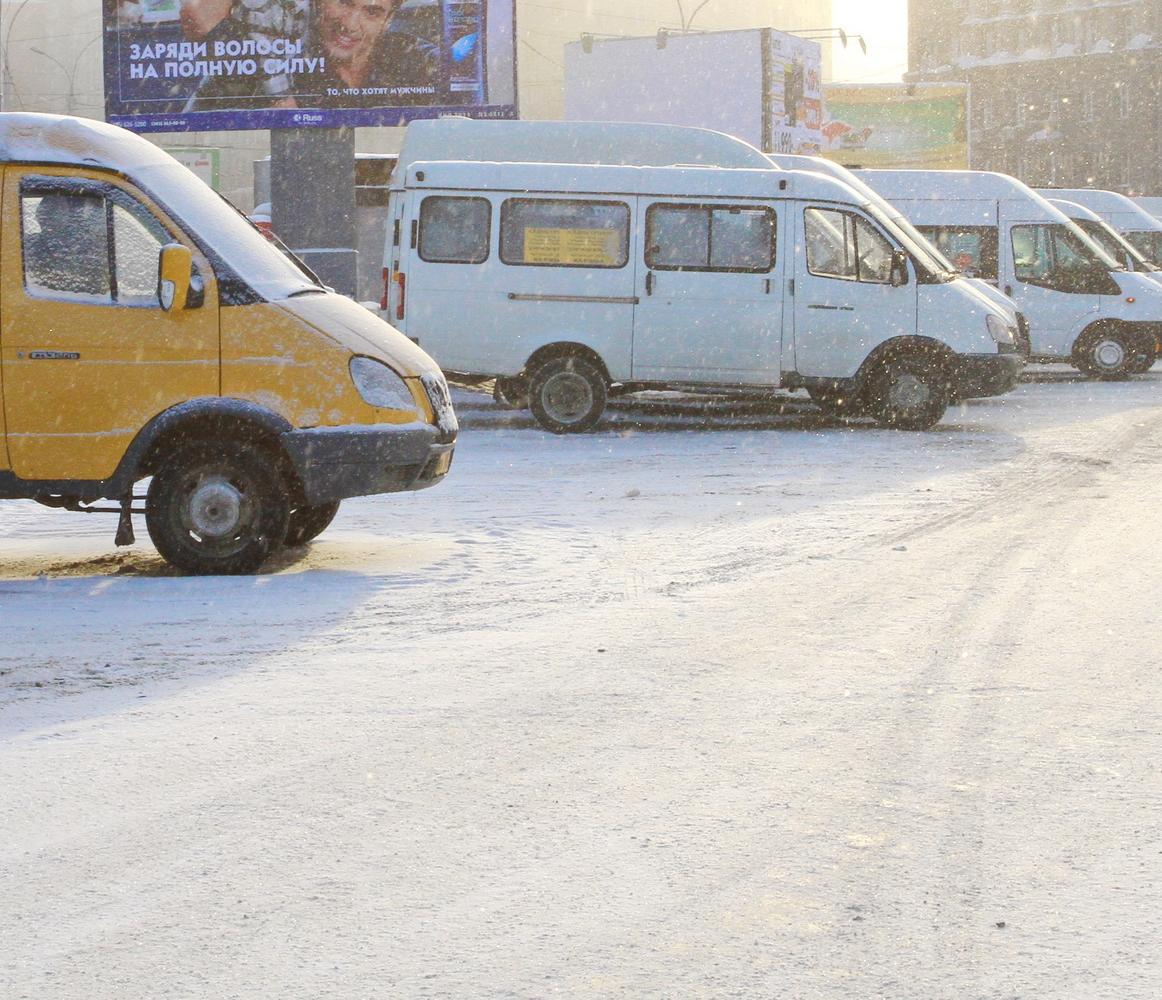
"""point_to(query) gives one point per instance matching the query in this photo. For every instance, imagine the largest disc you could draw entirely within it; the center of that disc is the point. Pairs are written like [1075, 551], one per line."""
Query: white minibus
[819, 164]
[1125, 215]
[572, 281]
[1083, 307]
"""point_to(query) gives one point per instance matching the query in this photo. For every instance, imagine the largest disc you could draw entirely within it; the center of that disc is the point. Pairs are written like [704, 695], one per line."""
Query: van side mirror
[175, 264]
[899, 276]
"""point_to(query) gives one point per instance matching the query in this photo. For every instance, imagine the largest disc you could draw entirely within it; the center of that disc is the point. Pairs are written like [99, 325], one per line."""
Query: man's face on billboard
[350, 28]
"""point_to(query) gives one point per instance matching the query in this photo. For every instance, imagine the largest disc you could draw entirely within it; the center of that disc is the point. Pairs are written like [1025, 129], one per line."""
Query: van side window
[79, 244]
[1055, 257]
[137, 243]
[844, 245]
[66, 246]
[972, 249]
[564, 233]
[455, 230]
[710, 238]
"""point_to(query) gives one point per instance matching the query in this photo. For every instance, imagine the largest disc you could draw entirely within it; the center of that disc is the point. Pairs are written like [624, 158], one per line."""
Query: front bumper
[334, 463]
[975, 375]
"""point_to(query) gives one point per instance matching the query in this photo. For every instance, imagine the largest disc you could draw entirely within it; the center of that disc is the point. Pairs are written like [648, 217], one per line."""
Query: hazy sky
[884, 25]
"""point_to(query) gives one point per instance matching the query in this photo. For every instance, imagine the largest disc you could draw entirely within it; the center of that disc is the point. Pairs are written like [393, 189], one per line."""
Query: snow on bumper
[974, 375]
[334, 463]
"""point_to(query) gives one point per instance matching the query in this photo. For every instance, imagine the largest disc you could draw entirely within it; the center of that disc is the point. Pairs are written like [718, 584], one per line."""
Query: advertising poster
[795, 95]
[920, 126]
[185, 65]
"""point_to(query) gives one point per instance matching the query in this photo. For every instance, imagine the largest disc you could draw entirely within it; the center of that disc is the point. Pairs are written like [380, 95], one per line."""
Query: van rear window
[455, 230]
[545, 232]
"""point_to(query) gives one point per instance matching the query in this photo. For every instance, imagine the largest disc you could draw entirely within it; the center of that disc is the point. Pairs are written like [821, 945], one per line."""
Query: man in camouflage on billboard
[242, 20]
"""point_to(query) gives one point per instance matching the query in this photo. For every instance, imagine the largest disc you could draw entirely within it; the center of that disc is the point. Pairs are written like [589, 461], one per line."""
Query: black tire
[568, 395]
[1111, 354]
[217, 507]
[511, 391]
[835, 403]
[306, 523]
[908, 393]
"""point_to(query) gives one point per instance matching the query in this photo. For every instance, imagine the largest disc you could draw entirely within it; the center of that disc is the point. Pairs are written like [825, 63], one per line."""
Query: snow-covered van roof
[938, 185]
[614, 181]
[610, 143]
[1109, 205]
[1151, 204]
[1072, 208]
[219, 229]
[37, 138]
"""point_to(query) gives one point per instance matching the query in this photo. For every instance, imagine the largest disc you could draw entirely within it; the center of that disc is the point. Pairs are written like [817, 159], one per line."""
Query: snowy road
[778, 709]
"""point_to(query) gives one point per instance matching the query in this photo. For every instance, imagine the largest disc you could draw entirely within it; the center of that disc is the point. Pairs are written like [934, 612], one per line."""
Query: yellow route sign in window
[592, 247]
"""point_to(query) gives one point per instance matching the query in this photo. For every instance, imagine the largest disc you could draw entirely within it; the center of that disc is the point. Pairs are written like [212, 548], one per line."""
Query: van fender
[1141, 340]
[566, 349]
[1144, 335]
[211, 416]
[929, 349]
[154, 442]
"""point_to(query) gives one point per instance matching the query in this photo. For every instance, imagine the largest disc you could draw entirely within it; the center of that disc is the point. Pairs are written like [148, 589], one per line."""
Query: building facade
[1064, 93]
[52, 61]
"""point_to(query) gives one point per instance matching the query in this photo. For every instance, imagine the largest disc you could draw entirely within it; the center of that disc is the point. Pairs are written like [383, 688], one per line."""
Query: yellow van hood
[357, 329]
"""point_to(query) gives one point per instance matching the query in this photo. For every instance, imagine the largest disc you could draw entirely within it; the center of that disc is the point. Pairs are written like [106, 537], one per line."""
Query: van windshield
[220, 228]
[1114, 244]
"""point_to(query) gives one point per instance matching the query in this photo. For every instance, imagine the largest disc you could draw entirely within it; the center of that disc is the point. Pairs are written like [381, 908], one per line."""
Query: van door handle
[649, 282]
[767, 286]
[1008, 290]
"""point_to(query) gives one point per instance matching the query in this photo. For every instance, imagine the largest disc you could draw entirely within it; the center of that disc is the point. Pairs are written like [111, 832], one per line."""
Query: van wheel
[567, 395]
[511, 391]
[309, 522]
[835, 403]
[1144, 363]
[1109, 354]
[217, 508]
[908, 394]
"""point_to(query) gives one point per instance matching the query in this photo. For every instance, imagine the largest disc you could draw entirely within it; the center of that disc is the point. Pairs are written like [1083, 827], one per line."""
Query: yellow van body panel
[272, 358]
[82, 377]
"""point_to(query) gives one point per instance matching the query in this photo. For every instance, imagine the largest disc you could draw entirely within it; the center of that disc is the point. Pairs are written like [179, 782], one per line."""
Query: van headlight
[1000, 331]
[380, 386]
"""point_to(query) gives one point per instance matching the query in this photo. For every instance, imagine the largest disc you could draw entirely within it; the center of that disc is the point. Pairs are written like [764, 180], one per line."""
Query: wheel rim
[567, 397]
[217, 512]
[909, 391]
[1109, 354]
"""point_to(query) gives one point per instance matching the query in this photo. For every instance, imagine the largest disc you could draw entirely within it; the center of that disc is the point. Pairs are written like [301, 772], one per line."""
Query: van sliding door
[709, 293]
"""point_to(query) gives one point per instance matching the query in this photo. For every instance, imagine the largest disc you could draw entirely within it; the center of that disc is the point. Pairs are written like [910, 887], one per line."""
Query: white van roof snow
[36, 138]
[1072, 208]
[622, 181]
[1130, 214]
[608, 143]
[937, 185]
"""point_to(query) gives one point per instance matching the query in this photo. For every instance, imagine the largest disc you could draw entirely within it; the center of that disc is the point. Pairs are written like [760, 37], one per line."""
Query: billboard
[756, 84]
[794, 95]
[185, 65]
[921, 126]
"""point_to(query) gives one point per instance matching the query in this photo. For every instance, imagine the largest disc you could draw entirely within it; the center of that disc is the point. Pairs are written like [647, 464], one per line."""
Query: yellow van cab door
[89, 356]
